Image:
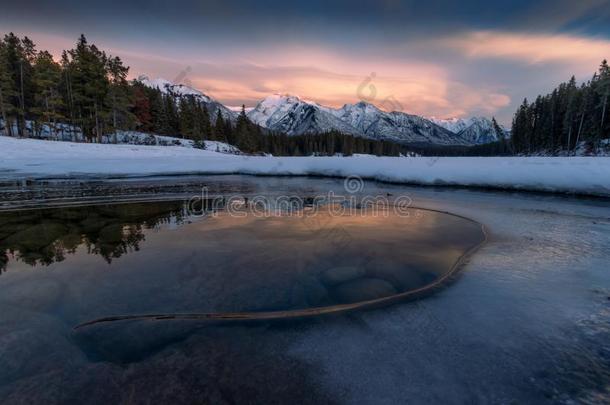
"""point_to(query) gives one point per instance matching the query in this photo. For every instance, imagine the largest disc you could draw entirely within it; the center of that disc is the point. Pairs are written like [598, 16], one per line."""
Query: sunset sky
[433, 58]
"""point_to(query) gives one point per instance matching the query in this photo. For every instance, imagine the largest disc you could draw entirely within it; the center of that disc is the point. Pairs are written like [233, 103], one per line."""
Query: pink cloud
[530, 48]
[324, 75]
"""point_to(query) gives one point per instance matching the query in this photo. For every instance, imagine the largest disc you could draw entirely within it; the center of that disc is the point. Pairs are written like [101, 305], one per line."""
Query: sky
[431, 58]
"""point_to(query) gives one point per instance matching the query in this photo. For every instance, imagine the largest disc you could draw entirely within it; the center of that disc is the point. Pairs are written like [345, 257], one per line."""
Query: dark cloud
[278, 20]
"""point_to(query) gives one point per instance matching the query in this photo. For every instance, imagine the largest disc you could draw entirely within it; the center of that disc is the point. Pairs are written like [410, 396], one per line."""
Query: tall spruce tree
[90, 86]
[243, 132]
[186, 117]
[603, 90]
[48, 102]
[143, 108]
[565, 118]
[119, 94]
[219, 128]
[7, 91]
[89, 90]
[15, 61]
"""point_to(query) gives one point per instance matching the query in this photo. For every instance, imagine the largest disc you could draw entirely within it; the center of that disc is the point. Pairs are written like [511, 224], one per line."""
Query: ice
[526, 321]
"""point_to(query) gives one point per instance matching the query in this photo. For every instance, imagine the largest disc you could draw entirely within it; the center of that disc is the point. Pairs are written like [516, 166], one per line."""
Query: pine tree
[206, 125]
[603, 90]
[66, 90]
[568, 116]
[48, 102]
[119, 94]
[28, 58]
[90, 87]
[572, 101]
[14, 60]
[243, 136]
[171, 111]
[143, 108]
[503, 145]
[219, 128]
[229, 132]
[186, 117]
[7, 91]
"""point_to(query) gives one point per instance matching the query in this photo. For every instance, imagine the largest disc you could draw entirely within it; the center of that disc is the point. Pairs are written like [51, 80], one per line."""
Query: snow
[180, 90]
[64, 132]
[237, 108]
[275, 105]
[141, 138]
[31, 158]
[454, 124]
[57, 131]
[294, 116]
[475, 130]
[168, 87]
[221, 147]
[583, 148]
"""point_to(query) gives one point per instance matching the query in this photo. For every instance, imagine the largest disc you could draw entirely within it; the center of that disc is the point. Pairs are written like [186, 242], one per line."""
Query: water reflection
[42, 237]
[163, 260]
[129, 260]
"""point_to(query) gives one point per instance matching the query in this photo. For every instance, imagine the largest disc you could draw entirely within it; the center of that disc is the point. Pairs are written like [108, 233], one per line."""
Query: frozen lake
[525, 320]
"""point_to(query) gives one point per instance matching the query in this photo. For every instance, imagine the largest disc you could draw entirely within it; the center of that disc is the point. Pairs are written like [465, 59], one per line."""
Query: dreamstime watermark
[353, 184]
[431, 161]
[353, 202]
[367, 92]
[182, 77]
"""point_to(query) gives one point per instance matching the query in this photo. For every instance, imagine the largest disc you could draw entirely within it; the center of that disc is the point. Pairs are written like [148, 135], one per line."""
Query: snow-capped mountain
[482, 131]
[455, 125]
[237, 108]
[475, 130]
[181, 90]
[377, 124]
[294, 116]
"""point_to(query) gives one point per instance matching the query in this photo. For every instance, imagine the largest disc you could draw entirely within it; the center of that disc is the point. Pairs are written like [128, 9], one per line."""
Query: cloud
[530, 47]
[423, 89]
[464, 101]
[471, 73]
[556, 14]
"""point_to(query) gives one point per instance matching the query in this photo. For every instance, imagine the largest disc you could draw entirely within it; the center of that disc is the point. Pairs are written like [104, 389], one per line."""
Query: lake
[123, 290]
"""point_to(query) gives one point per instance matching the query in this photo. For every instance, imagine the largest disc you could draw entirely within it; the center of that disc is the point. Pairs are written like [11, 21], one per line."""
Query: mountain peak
[176, 89]
[179, 90]
[362, 105]
[278, 98]
[475, 130]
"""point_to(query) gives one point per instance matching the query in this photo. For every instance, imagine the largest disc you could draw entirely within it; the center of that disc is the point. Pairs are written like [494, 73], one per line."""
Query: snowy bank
[29, 158]
[68, 133]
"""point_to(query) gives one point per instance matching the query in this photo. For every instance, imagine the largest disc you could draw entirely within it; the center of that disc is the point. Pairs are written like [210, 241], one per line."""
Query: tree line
[566, 117]
[87, 92]
[327, 144]
[85, 89]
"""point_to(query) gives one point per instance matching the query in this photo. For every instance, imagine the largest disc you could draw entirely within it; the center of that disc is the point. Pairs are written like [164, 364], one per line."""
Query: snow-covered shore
[37, 159]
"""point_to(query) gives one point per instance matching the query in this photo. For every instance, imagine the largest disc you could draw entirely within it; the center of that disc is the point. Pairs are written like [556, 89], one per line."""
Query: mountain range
[475, 130]
[294, 116]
